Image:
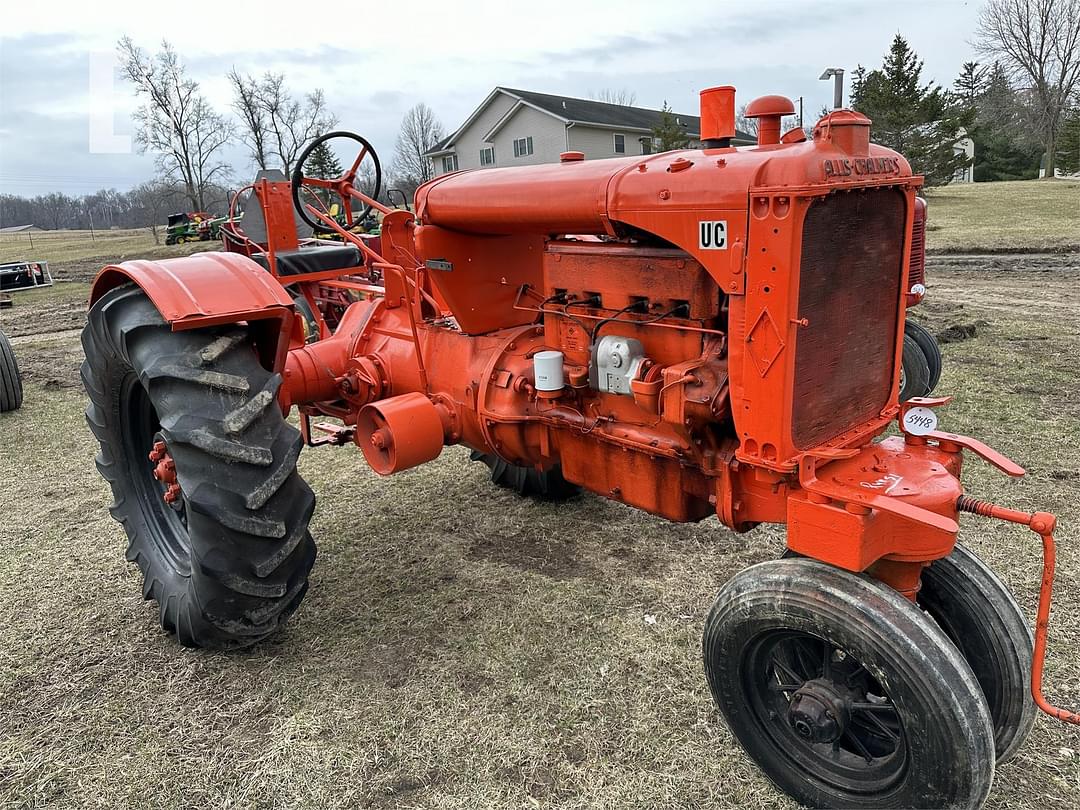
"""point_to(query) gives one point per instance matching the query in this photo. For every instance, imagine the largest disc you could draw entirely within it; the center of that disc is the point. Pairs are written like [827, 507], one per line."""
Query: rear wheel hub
[165, 470]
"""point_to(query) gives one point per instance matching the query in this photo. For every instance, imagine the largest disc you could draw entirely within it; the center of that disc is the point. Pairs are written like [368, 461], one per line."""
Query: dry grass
[1012, 217]
[462, 647]
[65, 247]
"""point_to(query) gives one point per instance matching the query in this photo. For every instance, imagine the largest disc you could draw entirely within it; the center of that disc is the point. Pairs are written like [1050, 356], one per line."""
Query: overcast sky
[384, 58]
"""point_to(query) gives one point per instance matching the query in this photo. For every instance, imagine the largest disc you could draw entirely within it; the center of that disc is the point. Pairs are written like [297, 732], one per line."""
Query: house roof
[585, 112]
[19, 228]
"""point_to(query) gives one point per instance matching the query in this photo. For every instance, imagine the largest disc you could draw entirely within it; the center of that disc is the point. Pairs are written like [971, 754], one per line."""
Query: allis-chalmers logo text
[845, 167]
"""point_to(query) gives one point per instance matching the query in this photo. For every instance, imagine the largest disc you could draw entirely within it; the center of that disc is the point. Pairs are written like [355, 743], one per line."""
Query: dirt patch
[960, 331]
[51, 366]
[56, 309]
[82, 270]
[552, 557]
[402, 787]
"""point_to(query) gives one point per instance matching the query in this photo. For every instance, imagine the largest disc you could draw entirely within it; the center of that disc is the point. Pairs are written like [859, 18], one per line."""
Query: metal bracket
[336, 434]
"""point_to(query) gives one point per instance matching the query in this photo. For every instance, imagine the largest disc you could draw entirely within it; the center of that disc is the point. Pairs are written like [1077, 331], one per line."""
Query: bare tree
[622, 97]
[749, 126]
[420, 130]
[58, 208]
[252, 118]
[153, 199]
[176, 121]
[1038, 42]
[744, 124]
[276, 125]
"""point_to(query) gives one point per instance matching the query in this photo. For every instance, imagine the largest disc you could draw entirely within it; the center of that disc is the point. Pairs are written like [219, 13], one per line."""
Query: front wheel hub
[817, 712]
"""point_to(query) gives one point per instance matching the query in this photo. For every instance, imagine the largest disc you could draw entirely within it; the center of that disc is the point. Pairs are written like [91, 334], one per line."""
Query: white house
[519, 127]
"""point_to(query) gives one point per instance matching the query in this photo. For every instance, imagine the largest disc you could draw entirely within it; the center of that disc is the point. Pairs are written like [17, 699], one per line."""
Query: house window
[449, 163]
[487, 156]
[646, 146]
[620, 144]
[523, 146]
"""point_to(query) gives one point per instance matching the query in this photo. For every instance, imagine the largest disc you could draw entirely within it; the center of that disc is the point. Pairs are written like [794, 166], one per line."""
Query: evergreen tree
[1005, 146]
[920, 121]
[668, 134]
[1068, 144]
[323, 163]
[858, 81]
[970, 84]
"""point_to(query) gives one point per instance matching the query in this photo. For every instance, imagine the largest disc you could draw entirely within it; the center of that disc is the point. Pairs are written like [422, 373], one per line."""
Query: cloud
[372, 73]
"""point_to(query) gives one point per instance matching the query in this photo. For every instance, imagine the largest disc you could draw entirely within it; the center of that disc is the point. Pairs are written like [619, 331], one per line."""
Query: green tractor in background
[193, 226]
[184, 227]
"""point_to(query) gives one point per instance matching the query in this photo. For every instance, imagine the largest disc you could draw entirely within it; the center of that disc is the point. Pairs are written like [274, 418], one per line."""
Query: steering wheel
[342, 186]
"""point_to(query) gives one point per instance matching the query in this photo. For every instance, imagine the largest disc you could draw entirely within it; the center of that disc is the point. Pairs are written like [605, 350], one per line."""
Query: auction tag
[920, 421]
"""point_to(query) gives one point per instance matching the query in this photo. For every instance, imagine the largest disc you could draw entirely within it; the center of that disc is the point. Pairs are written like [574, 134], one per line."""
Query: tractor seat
[315, 259]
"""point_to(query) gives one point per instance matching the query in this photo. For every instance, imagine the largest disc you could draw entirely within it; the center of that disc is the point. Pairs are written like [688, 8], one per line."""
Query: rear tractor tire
[11, 390]
[844, 692]
[546, 485]
[202, 466]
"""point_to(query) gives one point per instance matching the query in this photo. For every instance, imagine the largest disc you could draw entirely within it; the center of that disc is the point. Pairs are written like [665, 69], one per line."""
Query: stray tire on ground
[11, 392]
[202, 466]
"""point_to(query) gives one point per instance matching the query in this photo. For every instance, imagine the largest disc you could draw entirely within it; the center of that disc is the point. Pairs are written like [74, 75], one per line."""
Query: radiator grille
[849, 289]
[917, 264]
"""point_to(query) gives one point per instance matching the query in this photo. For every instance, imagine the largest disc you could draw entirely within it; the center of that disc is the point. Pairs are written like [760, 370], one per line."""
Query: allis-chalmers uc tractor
[707, 331]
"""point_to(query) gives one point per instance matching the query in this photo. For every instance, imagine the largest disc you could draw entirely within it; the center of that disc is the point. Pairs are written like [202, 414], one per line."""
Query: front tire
[976, 611]
[930, 349]
[915, 372]
[227, 560]
[844, 693]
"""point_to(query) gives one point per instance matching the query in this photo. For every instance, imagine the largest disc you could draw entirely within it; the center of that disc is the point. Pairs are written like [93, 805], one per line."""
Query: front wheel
[915, 371]
[844, 693]
[931, 351]
[975, 609]
[202, 466]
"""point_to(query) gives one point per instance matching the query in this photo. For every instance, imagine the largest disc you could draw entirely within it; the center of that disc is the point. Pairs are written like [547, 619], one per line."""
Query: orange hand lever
[982, 450]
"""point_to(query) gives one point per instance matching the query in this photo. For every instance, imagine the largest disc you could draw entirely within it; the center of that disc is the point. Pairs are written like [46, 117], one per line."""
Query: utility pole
[800, 112]
[837, 75]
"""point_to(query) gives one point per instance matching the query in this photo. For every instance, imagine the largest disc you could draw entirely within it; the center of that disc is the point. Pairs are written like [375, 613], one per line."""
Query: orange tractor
[714, 331]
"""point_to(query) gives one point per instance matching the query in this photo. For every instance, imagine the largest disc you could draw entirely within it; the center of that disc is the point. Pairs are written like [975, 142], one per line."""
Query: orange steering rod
[1043, 524]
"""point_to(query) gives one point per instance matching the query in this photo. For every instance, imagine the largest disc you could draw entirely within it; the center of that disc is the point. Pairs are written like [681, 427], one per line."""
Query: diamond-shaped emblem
[763, 342]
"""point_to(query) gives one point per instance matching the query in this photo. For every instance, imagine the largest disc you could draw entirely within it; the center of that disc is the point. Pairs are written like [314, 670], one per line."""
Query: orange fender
[208, 289]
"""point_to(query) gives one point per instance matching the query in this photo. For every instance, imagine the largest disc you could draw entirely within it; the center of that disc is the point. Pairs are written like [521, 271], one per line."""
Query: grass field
[1029, 215]
[64, 248]
[462, 647]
